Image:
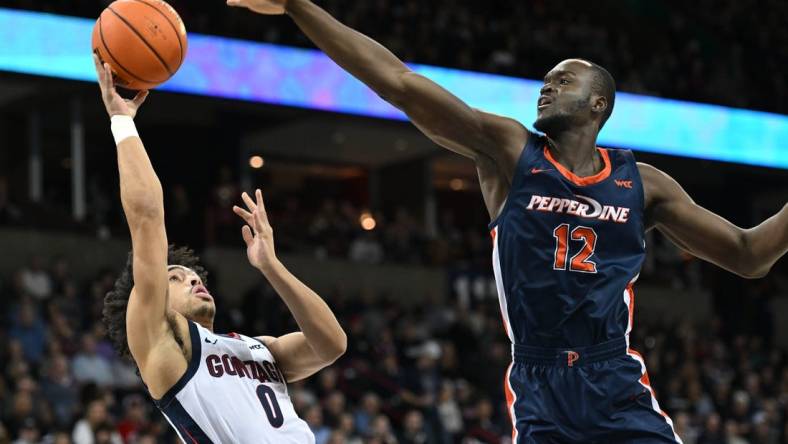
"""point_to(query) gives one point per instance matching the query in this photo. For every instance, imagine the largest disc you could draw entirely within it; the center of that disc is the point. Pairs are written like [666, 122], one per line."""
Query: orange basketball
[144, 42]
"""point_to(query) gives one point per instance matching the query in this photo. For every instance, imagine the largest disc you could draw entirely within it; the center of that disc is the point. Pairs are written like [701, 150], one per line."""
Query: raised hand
[115, 104]
[257, 233]
[269, 7]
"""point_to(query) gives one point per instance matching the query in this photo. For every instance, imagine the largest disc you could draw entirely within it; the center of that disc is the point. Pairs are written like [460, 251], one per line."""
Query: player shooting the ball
[212, 388]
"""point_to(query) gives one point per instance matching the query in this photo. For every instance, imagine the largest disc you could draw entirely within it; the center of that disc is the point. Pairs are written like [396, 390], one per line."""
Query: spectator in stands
[21, 411]
[36, 280]
[29, 330]
[368, 410]
[334, 408]
[61, 331]
[380, 431]
[59, 389]
[89, 366]
[28, 433]
[347, 430]
[92, 428]
[135, 419]
[414, 431]
[69, 304]
[314, 418]
[60, 274]
[449, 412]
[687, 433]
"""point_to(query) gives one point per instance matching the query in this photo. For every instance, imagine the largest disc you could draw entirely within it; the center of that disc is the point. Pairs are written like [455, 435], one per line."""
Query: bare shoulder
[655, 182]
[266, 340]
[649, 172]
[271, 344]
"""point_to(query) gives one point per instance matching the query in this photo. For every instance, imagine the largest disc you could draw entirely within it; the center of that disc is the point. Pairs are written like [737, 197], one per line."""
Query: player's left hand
[257, 233]
[115, 104]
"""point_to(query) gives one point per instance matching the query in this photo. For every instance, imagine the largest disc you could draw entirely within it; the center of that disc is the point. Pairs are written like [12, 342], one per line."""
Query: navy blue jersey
[566, 250]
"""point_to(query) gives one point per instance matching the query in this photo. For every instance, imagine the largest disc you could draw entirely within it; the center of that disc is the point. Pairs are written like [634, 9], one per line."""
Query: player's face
[187, 294]
[565, 98]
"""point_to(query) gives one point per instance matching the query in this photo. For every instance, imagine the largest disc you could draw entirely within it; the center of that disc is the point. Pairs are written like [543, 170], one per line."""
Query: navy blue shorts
[598, 394]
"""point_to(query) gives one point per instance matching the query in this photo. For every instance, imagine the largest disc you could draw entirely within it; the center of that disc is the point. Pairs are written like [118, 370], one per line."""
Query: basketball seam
[109, 53]
[134, 30]
[180, 44]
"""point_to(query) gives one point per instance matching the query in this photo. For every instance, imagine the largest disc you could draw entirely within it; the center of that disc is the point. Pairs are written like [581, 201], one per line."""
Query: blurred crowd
[729, 52]
[308, 223]
[429, 374]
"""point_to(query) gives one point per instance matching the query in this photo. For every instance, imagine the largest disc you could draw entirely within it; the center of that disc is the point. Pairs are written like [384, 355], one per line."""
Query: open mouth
[543, 102]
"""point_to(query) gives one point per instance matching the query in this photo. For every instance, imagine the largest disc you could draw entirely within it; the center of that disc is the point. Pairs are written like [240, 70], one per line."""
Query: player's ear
[599, 104]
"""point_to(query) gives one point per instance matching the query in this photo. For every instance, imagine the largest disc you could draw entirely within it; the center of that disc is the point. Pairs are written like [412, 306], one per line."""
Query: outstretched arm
[440, 115]
[141, 196]
[321, 340]
[750, 253]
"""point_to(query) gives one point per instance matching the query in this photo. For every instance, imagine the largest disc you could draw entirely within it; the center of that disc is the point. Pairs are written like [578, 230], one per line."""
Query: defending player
[568, 225]
[212, 388]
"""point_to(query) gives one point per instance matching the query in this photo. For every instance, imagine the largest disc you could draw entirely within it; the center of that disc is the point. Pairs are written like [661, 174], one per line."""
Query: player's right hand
[115, 104]
[257, 233]
[268, 7]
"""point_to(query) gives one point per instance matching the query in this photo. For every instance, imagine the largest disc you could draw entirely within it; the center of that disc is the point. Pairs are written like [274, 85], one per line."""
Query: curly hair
[116, 300]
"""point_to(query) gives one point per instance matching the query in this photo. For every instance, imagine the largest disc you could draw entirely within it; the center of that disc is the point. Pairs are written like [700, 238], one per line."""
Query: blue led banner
[57, 46]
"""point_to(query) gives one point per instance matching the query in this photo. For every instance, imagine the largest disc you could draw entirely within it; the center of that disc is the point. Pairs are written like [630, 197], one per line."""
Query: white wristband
[122, 128]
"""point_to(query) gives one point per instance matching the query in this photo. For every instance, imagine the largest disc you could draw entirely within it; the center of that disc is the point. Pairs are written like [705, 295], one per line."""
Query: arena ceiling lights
[58, 46]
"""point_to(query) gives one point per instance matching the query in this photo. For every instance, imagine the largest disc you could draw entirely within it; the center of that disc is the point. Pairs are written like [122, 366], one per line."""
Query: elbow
[143, 206]
[143, 210]
[337, 348]
[753, 271]
[394, 90]
[750, 265]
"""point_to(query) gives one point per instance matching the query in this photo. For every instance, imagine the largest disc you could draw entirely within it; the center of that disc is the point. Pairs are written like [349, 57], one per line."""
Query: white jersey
[232, 392]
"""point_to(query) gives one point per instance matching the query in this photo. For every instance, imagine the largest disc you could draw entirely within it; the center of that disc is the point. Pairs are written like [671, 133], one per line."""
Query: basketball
[143, 41]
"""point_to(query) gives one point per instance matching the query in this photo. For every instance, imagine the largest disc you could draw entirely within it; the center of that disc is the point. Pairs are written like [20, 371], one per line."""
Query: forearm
[766, 243]
[315, 319]
[358, 54]
[140, 189]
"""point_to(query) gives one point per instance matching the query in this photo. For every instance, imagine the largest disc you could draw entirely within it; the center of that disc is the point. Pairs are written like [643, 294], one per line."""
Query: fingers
[246, 233]
[249, 202]
[259, 197]
[258, 222]
[101, 73]
[109, 82]
[261, 206]
[99, 69]
[139, 99]
[256, 217]
[245, 215]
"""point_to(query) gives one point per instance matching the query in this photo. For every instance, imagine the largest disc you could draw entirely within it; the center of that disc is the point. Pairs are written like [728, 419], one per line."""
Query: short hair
[602, 83]
[116, 300]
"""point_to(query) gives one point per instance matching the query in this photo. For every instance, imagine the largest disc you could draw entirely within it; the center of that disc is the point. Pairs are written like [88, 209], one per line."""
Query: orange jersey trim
[510, 401]
[582, 181]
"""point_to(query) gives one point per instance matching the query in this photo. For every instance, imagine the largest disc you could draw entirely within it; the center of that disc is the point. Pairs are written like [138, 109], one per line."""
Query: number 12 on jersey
[580, 262]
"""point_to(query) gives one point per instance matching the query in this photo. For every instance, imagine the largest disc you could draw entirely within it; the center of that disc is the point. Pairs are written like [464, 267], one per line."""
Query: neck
[205, 323]
[576, 150]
